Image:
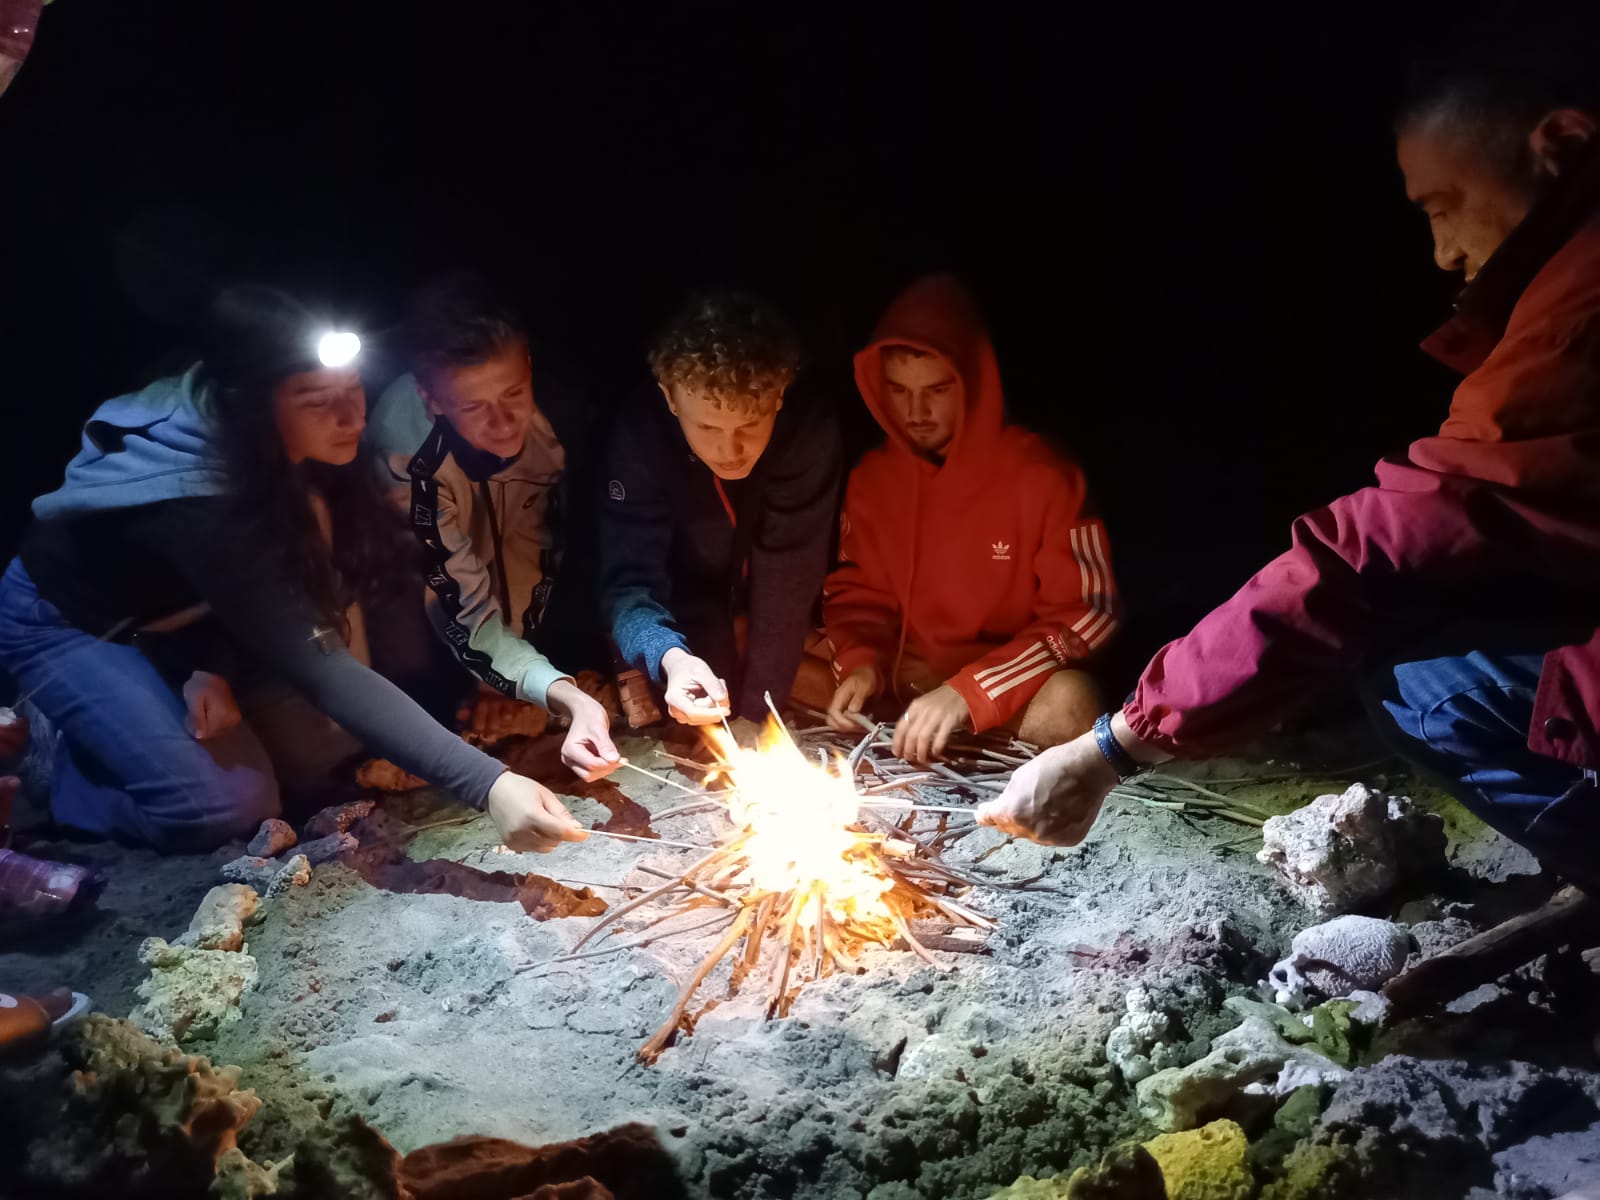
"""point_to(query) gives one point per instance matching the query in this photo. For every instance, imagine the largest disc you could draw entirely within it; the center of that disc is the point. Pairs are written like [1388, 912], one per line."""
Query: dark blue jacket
[675, 569]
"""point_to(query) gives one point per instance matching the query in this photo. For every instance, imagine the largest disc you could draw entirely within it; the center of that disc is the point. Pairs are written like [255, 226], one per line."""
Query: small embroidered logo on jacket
[1002, 551]
[616, 491]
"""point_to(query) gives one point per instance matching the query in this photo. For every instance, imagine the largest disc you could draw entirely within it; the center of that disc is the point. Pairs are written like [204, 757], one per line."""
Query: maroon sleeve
[1370, 563]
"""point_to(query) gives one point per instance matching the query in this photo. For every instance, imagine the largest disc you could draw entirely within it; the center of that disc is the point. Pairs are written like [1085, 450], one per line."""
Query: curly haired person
[716, 523]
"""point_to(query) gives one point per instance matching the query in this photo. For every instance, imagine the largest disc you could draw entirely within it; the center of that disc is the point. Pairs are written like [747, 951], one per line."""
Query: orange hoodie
[985, 566]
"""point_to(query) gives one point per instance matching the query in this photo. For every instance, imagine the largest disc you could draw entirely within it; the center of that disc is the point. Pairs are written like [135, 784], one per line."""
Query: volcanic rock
[1341, 852]
[272, 839]
[254, 872]
[338, 818]
[218, 924]
[191, 993]
[326, 849]
[627, 1163]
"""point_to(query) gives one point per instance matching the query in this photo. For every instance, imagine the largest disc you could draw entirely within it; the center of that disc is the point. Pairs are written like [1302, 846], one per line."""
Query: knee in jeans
[235, 809]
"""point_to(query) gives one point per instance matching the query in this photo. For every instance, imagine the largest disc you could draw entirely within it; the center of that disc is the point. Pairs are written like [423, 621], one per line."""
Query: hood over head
[937, 314]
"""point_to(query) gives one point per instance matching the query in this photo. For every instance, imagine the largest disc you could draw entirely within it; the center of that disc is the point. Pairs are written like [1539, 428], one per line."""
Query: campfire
[803, 881]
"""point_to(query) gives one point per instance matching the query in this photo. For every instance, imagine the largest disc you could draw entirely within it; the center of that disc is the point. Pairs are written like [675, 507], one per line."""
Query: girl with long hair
[239, 490]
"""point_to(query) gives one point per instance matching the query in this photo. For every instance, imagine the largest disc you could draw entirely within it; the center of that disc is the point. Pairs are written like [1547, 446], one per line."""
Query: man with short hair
[974, 584]
[1472, 567]
[723, 483]
[475, 463]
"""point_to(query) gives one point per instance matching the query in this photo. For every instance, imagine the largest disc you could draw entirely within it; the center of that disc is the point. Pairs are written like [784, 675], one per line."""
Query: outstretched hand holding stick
[695, 693]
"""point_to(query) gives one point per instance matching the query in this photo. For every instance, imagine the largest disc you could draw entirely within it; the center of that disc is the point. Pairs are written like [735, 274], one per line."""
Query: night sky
[1183, 220]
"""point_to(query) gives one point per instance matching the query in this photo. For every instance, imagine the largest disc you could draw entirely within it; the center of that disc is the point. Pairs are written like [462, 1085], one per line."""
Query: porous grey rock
[1346, 954]
[326, 849]
[294, 873]
[272, 839]
[1253, 1057]
[218, 924]
[191, 994]
[1341, 852]
[252, 871]
[338, 818]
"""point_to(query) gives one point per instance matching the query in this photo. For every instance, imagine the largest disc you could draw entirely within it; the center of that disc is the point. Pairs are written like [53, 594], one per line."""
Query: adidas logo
[1002, 551]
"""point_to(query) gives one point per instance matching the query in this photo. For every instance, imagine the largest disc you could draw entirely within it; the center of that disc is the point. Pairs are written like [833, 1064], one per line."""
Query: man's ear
[665, 391]
[429, 404]
[1558, 137]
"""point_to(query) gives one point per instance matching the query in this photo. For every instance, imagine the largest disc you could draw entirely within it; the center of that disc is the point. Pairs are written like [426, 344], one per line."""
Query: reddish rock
[626, 1163]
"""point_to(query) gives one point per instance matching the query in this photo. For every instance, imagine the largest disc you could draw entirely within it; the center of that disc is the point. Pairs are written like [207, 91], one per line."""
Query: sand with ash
[413, 984]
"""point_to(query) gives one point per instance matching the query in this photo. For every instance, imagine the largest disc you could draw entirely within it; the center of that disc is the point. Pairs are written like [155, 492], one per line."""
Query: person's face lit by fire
[728, 437]
[1475, 194]
[320, 415]
[926, 398]
[490, 404]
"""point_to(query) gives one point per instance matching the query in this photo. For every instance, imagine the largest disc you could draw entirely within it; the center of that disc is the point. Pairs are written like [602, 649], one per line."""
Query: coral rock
[1252, 1058]
[143, 1119]
[272, 839]
[294, 873]
[218, 924]
[347, 1160]
[1341, 956]
[1341, 852]
[1136, 1045]
[241, 1178]
[1204, 1164]
[1125, 1172]
[338, 818]
[191, 993]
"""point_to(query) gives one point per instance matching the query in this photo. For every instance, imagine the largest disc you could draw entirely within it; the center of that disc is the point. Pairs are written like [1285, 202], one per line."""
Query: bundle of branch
[980, 765]
[811, 933]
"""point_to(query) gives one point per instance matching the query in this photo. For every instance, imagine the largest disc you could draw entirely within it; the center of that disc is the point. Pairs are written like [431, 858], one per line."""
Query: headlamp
[338, 348]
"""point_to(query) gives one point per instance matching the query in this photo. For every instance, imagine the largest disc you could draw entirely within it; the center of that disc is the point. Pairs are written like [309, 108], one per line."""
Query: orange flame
[796, 816]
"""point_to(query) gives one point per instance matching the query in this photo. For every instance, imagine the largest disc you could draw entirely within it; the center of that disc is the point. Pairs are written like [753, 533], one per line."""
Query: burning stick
[801, 872]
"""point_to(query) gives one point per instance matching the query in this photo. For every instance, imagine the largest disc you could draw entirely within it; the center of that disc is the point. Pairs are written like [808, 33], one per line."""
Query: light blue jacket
[153, 444]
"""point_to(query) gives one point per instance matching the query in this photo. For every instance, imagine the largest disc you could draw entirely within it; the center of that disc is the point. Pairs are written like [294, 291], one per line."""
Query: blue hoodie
[150, 445]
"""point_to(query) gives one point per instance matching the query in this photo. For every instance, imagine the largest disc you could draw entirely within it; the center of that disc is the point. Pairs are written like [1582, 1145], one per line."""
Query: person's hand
[13, 733]
[695, 696]
[212, 708]
[1054, 798]
[854, 690]
[588, 750]
[529, 817]
[921, 734]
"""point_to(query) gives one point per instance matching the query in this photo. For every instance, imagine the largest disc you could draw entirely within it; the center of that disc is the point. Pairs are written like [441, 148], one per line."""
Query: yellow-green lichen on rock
[1125, 1172]
[1206, 1163]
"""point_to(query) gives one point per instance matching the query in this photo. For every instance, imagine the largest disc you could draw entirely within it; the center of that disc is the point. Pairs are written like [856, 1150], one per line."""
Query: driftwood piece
[1567, 916]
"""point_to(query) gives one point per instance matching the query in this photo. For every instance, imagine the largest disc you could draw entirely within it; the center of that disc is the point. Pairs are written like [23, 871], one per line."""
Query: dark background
[1183, 220]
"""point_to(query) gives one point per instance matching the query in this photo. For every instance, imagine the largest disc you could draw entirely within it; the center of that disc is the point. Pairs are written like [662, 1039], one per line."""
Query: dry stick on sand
[652, 1049]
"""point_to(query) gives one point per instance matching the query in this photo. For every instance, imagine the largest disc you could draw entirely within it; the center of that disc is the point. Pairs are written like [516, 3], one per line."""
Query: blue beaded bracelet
[1121, 761]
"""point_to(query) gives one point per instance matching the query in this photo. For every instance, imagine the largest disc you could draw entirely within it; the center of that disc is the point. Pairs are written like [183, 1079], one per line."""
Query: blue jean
[1463, 716]
[127, 765]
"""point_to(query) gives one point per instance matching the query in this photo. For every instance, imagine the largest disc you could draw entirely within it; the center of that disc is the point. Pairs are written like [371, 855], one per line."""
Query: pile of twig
[980, 765]
[811, 934]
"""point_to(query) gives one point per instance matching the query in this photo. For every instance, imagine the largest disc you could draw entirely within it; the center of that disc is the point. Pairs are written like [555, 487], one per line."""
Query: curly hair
[736, 347]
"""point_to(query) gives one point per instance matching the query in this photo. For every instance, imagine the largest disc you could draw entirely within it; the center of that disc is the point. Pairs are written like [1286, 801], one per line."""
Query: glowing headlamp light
[338, 349]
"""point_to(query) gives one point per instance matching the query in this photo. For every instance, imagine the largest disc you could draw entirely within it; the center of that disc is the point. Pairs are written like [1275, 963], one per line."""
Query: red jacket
[1496, 518]
[986, 566]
